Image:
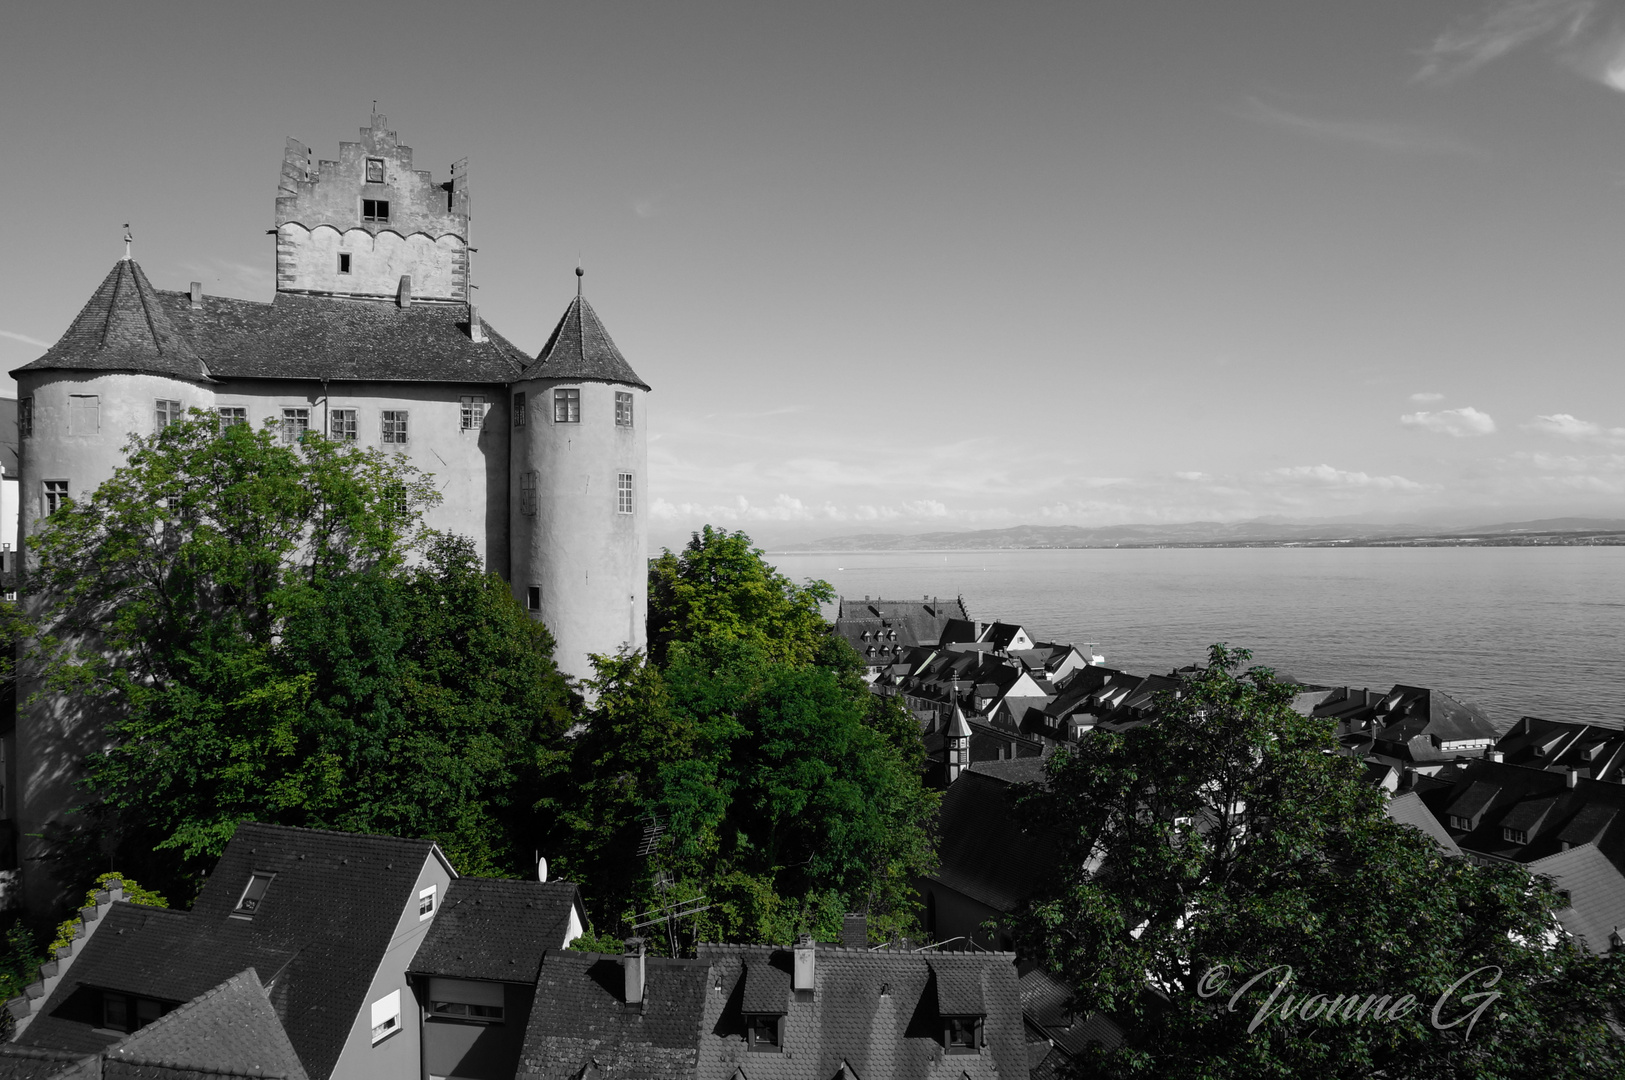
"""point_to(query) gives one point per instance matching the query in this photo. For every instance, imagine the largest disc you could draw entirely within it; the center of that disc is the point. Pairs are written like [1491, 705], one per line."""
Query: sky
[907, 267]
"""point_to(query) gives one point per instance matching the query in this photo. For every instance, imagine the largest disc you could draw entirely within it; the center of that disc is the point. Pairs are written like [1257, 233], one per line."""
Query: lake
[1517, 630]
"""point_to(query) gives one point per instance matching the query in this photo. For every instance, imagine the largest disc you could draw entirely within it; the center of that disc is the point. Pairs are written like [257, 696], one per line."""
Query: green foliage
[1225, 838]
[720, 586]
[788, 793]
[594, 943]
[274, 636]
[19, 966]
[69, 928]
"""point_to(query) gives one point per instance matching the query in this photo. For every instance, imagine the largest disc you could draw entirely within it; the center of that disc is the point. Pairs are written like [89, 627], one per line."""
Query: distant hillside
[1257, 533]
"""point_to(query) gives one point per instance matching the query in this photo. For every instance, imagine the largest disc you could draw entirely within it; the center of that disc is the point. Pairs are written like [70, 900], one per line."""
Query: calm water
[1515, 630]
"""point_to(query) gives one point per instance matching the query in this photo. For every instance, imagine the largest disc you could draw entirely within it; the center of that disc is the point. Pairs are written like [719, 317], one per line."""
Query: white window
[232, 414]
[341, 425]
[394, 425]
[295, 422]
[623, 409]
[386, 1016]
[623, 493]
[426, 902]
[473, 412]
[566, 406]
[468, 1001]
[253, 893]
[165, 413]
[527, 493]
[84, 414]
[56, 495]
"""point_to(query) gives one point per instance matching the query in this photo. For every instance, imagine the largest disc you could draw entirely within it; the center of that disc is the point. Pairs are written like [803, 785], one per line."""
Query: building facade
[371, 337]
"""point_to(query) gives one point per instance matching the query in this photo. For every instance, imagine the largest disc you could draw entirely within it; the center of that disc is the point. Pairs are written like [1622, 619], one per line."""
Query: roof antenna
[127, 239]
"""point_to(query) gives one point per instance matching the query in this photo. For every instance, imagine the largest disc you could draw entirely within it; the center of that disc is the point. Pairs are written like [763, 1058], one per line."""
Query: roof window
[249, 903]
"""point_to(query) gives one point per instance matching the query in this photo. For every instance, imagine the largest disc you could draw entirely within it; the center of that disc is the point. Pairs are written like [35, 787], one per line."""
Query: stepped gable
[153, 953]
[229, 1030]
[322, 337]
[334, 902]
[580, 348]
[496, 929]
[124, 327]
[580, 1024]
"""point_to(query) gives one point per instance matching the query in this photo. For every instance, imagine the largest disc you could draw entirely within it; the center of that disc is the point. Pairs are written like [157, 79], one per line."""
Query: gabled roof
[581, 348]
[229, 1030]
[1408, 809]
[877, 1013]
[983, 853]
[1596, 891]
[580, 1020]
[123, 327]
[1509, 787]
[496, 929]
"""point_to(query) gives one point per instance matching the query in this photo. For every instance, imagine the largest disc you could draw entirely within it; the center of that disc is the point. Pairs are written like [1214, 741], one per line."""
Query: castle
[371, 337]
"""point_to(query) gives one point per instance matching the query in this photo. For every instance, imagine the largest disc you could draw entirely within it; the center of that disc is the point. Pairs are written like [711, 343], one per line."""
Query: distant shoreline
[1608, 539]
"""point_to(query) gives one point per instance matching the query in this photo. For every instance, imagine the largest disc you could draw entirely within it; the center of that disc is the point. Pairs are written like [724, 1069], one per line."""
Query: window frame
[231, 415]
[533, 598]
[165, 411]
[291, 423]
[344, 262]
[386, 1016]
[432, 896]
[391, 435]
[625, 494]
[567, 404]
[527, 492]
[519, 409]
[81, 406]
[25, 417]
[375, 210]
[952, 1025]
[343, 425]
[757, 1039]
[53, 500]
[623, 408]
[249, 906]
[471, 412]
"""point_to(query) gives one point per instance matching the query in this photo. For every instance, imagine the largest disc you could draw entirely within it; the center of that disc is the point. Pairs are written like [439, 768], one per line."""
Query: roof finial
[127, 239]
[580, 273]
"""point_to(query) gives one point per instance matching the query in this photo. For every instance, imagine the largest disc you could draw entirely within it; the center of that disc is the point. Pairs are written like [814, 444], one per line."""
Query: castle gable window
[341, 425]
[566, 406]
[375, 170]
[374, 209]
[84, 414]
[472, 412]
[394, 426]
[623, 409]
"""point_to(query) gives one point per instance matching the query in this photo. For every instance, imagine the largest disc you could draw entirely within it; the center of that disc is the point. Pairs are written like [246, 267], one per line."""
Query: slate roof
[1596, 892]
[124, 327]
[981, 852]
[1408, 809]
[496, 929]
[1590, 810]
[580, 1024]
[228, 1030]
[914, 622]
[875, 1013]
[1594, 751]
[129, 325]
[1018, 770]
[580, 348]
[19, 1062]
[1044, 1001]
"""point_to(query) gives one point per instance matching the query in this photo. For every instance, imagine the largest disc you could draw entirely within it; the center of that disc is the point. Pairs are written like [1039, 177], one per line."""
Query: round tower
[579, 477]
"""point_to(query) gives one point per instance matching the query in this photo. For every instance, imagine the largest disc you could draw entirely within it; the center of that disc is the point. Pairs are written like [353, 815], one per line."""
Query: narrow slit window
[341, 425]
[566, 406]
[344, 262]
[25, 417]
[519, 410]
[533, 598]
[527, 493]
[623, 409]
[623, 493]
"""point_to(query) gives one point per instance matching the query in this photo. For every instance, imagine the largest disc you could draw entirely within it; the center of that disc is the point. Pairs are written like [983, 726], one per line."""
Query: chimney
[197, 295]
[1492, 754]
[476, 329]
[632, 965]
[1571, 775]
[403, 296]
[855, 931]
[806, 957]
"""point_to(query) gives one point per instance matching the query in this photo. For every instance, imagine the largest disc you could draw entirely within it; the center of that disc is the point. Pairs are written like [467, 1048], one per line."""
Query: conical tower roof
[958, 727]
[580, 348]
[123, 327]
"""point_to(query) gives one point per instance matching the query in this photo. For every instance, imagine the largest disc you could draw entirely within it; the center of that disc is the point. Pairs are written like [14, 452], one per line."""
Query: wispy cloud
[25, 339]
[1462, 423]
[1572, 427]
[1426, 396]
[1328, 476]
[1585, 35]
[1382, 135]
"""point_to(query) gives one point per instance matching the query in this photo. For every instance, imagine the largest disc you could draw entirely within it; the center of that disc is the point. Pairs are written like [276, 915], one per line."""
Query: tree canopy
[1222, 851]
[269, 633]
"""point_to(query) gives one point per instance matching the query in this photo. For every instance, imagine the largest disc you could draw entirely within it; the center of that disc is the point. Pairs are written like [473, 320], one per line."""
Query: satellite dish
[541, 869]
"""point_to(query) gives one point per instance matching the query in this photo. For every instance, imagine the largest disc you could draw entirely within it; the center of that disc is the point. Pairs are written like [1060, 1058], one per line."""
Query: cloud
[647, 208]
[1379, 134]
[788, 508]
[1462, 423]
[1325, 474]
[25, 339]
[1426, 396]
[1582, 34]
[1572, 427]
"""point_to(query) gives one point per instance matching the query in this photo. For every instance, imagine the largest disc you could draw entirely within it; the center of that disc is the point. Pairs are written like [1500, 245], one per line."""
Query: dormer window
[426, 900]
[249, 902]
[1514, 836]
[374, 209]
[762, 1033]
[375, 170]
[962, 1034]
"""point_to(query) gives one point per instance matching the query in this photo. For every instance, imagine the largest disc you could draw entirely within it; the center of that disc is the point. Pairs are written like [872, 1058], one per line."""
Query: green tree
[720, 586]
[269, 633]
[1224, 842]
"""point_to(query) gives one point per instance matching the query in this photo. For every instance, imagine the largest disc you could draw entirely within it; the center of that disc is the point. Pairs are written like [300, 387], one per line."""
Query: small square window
[566, 406]
[166, 413]
[25, 417]
[473, 412]
[533, 598]
[426, 902]
[762, 1032]
[623, 493]
[295, 422]
[960, 1036]
[623, 409]
[56, 495]
[344, 262]
[375, 170]
[519, 410]
[374, 209]
[341, 425]
[253, 893]
[394, 425]
[231, 415]
[527, 493]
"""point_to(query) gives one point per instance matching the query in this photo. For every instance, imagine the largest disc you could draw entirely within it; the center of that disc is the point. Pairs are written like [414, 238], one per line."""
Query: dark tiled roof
[336, 900]
[1510, 787]
[580, 1019]
[496, 929]
[982, 852]
[874, 1012]
[230, 1029]
[768, 983]
[19, 1062]
[1018, 770]
[1596, 891]
[123, 327]
[1044, 1001]
[1595, 751]
[580, 348]
[1408, 809]
[959, 989]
